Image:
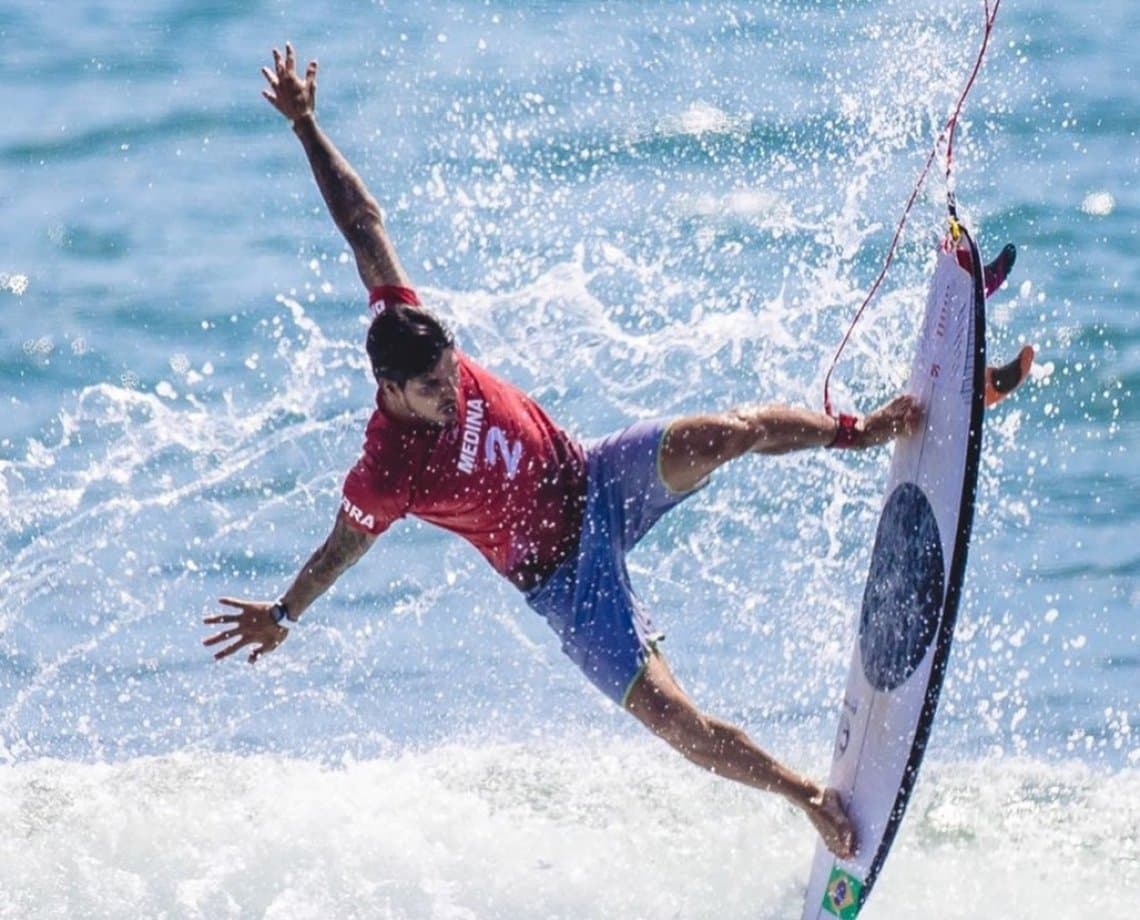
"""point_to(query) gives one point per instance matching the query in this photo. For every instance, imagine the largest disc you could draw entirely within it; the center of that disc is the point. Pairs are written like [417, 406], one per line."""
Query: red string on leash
[947, 135]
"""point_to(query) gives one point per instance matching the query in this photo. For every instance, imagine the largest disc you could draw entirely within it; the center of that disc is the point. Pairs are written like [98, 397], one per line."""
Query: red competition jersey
[504, 477]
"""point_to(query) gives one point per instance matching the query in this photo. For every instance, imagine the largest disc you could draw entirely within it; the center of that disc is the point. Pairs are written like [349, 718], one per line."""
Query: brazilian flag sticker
[842, 896]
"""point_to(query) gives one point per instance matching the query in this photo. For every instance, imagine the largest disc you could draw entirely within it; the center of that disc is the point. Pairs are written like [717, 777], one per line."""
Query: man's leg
[694, 446]
[664, 708]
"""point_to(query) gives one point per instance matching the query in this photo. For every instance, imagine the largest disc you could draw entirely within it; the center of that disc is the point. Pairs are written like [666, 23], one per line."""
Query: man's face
[432, 397]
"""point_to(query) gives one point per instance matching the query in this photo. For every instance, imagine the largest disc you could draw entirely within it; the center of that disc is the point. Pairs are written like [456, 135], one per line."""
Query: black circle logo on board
[903, 601]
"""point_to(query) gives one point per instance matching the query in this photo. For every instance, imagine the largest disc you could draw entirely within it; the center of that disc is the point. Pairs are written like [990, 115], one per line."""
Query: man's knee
[695, 446]
[720, 436]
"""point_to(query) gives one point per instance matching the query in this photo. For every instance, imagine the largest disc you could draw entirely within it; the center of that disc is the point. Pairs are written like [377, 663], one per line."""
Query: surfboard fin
[1001, 381]
[998, 270]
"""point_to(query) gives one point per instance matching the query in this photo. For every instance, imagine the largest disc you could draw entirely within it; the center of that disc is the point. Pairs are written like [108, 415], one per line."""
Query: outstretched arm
[355, 211]
[255, 625]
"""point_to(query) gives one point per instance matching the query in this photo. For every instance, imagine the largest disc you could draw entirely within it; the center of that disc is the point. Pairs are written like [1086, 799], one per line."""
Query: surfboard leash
[945, 135]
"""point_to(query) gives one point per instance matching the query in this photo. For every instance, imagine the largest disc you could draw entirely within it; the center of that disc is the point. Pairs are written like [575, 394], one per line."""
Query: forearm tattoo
[345, 194]
[342, 549]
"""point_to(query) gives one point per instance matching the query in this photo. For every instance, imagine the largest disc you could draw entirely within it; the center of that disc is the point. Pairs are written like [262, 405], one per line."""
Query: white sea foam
[1098, 204]
[579, 830]
[702, 118]
[16, 283]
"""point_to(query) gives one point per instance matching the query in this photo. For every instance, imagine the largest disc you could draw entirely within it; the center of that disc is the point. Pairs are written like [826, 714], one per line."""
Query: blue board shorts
[588, 600]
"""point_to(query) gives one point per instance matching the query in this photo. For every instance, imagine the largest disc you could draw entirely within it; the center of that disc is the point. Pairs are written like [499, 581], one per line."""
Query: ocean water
[629, 210]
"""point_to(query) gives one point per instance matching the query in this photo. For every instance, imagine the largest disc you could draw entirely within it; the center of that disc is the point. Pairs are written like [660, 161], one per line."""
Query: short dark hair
[405, 342]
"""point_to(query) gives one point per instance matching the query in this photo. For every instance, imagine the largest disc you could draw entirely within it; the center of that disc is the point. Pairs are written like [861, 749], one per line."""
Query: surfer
[454, 445]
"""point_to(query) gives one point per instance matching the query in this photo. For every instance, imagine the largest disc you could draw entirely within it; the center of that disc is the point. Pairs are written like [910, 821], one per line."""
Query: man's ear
[389, 388]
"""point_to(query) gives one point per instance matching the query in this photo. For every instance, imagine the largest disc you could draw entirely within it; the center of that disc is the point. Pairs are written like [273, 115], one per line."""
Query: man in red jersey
[453, 444]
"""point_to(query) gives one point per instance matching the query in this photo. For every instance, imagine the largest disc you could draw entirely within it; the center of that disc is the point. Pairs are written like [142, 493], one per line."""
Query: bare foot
[827, 814]
[900, 417]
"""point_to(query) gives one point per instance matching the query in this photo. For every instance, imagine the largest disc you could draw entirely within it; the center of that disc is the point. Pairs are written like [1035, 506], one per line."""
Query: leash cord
[945, 135]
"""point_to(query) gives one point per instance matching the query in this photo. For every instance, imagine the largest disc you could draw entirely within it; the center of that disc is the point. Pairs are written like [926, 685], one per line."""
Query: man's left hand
[253, 626]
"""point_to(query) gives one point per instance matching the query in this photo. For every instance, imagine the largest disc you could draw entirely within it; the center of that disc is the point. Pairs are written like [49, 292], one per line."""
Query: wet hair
[405, 342]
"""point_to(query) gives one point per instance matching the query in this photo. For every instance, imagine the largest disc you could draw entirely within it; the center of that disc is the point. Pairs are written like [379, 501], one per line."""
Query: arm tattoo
[345, 546]
[342, 549]
[353, 209]
[344, 192]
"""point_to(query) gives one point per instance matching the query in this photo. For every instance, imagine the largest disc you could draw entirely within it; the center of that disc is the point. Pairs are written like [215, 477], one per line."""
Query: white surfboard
[911, 599]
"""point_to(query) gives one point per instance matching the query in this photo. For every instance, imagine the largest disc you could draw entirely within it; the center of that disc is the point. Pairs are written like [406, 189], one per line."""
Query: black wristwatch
[280, 614]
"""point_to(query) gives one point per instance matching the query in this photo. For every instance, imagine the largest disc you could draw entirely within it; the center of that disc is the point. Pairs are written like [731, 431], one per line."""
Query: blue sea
[629, 210]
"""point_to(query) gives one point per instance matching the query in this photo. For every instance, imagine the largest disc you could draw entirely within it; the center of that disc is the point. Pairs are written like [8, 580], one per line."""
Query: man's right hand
[291, 95]
[253, 626]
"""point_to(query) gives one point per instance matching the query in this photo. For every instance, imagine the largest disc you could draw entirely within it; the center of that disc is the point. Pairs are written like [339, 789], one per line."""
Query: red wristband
[385, 295]
[846, 435]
